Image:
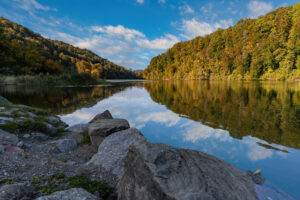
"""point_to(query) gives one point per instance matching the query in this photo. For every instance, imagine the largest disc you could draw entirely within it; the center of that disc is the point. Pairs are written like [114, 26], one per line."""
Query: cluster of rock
[142, 170]
[22, 123]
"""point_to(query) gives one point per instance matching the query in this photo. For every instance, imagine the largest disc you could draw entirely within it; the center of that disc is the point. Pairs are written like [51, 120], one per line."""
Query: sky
[131, 32]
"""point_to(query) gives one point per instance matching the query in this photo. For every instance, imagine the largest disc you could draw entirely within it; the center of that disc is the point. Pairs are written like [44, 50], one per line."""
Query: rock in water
[113, 150]
[17, 191]
[102, 128]
[71, 194]
[66, 145]
[160, 172]
[105, 115]
[8, 138]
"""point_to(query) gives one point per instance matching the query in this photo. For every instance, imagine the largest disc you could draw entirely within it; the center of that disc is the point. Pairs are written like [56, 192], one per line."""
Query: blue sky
[131, 32]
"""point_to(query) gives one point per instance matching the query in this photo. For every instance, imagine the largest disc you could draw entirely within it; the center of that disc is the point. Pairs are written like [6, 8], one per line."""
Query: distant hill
[25, 52]
[263, 48]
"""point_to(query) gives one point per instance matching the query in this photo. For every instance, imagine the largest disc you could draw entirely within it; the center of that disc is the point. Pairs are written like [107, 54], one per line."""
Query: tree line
[25, 52]
[263, 48]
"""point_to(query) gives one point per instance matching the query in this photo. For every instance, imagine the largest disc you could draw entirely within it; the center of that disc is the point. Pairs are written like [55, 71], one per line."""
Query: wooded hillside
[263, 48]
[25, 52]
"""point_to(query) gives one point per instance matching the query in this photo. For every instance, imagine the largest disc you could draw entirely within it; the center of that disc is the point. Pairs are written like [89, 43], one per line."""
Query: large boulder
[113, 151]
[8, 138]
[160, 172]
[102, 128]
[71, 194]
[17, 191]
[105, 115]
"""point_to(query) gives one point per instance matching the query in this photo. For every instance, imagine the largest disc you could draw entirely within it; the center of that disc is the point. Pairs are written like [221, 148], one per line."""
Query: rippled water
[249, 124]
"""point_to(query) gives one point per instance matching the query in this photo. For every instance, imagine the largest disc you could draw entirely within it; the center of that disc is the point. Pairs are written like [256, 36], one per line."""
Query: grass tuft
[86, 138]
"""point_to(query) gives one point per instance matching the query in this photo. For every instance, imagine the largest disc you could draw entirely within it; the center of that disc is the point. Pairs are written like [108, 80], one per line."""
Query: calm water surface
[249, 124]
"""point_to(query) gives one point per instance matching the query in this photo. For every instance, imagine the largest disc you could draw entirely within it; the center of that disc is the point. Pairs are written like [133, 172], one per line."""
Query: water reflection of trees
[269, 110]
[59, 100]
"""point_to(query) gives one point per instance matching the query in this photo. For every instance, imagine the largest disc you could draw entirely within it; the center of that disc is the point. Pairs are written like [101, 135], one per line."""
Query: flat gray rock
[66, 145]
[8, 138]
[71, 194]
[160, 172]
[102, 128]
[105, 115]
[17, 191]
[113, 150]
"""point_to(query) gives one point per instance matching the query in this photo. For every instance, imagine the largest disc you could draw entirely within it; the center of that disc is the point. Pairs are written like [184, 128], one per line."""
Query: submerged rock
[17, 191]
[66, 145]
[113, 150]
[8, 138]
[105, 115]
[158, 171]
[102, 128]
[71, 194]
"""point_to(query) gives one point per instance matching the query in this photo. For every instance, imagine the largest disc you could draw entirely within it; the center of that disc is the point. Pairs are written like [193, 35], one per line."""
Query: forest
[23, 52]
[267, 48]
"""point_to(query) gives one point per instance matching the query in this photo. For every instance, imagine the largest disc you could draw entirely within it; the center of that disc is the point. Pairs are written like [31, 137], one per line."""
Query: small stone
[56, 121]
[2, 149]
[13, 150]
[20, 144]
[66, 145]
[71, 194]
[8, 138]
[50, 129]
[32, 115]
[39, 136]
[17, 191]
[26, 136]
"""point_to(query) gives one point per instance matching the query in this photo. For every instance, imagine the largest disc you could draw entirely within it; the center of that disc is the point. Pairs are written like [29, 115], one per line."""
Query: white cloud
[162, 1]
[185, 9]
[31, 5]
[168, 118]
[160, 43]
[259, 8]
[256, 152]
[193, 28]
[207, 8]
[140, 1]
[197, 131]
[119, 30]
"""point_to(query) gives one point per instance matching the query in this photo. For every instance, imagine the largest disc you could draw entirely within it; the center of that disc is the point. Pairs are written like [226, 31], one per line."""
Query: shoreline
[109, 154]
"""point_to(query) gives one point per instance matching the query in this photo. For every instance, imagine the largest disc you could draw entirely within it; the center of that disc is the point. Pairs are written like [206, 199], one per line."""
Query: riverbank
[106, 158]
[52, 80]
